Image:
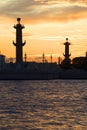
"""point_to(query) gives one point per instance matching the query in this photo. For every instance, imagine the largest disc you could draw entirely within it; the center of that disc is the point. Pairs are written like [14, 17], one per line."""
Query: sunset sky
[47, 24]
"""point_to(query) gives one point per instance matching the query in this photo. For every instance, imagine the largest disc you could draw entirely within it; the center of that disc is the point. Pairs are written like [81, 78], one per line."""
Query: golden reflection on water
[43, 105]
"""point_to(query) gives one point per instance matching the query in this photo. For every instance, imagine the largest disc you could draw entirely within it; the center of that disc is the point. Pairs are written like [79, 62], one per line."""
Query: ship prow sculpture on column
[19, 44]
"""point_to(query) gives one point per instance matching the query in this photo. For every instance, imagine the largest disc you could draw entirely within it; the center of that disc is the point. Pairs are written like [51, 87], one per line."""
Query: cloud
[36, 11]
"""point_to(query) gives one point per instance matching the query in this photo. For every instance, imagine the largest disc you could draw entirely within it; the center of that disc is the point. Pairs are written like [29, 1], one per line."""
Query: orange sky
[47, 24]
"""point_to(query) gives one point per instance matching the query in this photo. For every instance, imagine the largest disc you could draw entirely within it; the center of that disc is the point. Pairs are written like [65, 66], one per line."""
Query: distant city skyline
[47, 25]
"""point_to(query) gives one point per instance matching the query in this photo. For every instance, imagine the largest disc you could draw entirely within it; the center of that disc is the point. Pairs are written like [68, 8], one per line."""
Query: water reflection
[43, 105]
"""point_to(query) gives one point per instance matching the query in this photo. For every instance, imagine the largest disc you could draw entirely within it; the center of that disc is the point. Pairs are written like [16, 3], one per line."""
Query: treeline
[77, 62]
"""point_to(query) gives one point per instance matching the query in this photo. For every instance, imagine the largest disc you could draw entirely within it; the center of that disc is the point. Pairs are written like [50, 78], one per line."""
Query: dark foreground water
[43, 105]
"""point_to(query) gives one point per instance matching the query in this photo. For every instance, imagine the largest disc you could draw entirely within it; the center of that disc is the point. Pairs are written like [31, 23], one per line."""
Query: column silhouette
[19, 44]
[66, 63]
[67, 55]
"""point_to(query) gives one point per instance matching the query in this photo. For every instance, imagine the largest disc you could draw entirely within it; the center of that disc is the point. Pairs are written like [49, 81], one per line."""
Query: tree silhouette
[79, 62]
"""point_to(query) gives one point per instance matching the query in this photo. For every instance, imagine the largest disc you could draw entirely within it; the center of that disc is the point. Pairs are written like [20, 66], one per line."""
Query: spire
[43, 58]
[51, 58]
[25, 57]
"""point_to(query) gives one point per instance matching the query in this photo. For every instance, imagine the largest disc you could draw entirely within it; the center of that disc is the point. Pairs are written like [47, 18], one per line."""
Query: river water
[43, 105]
